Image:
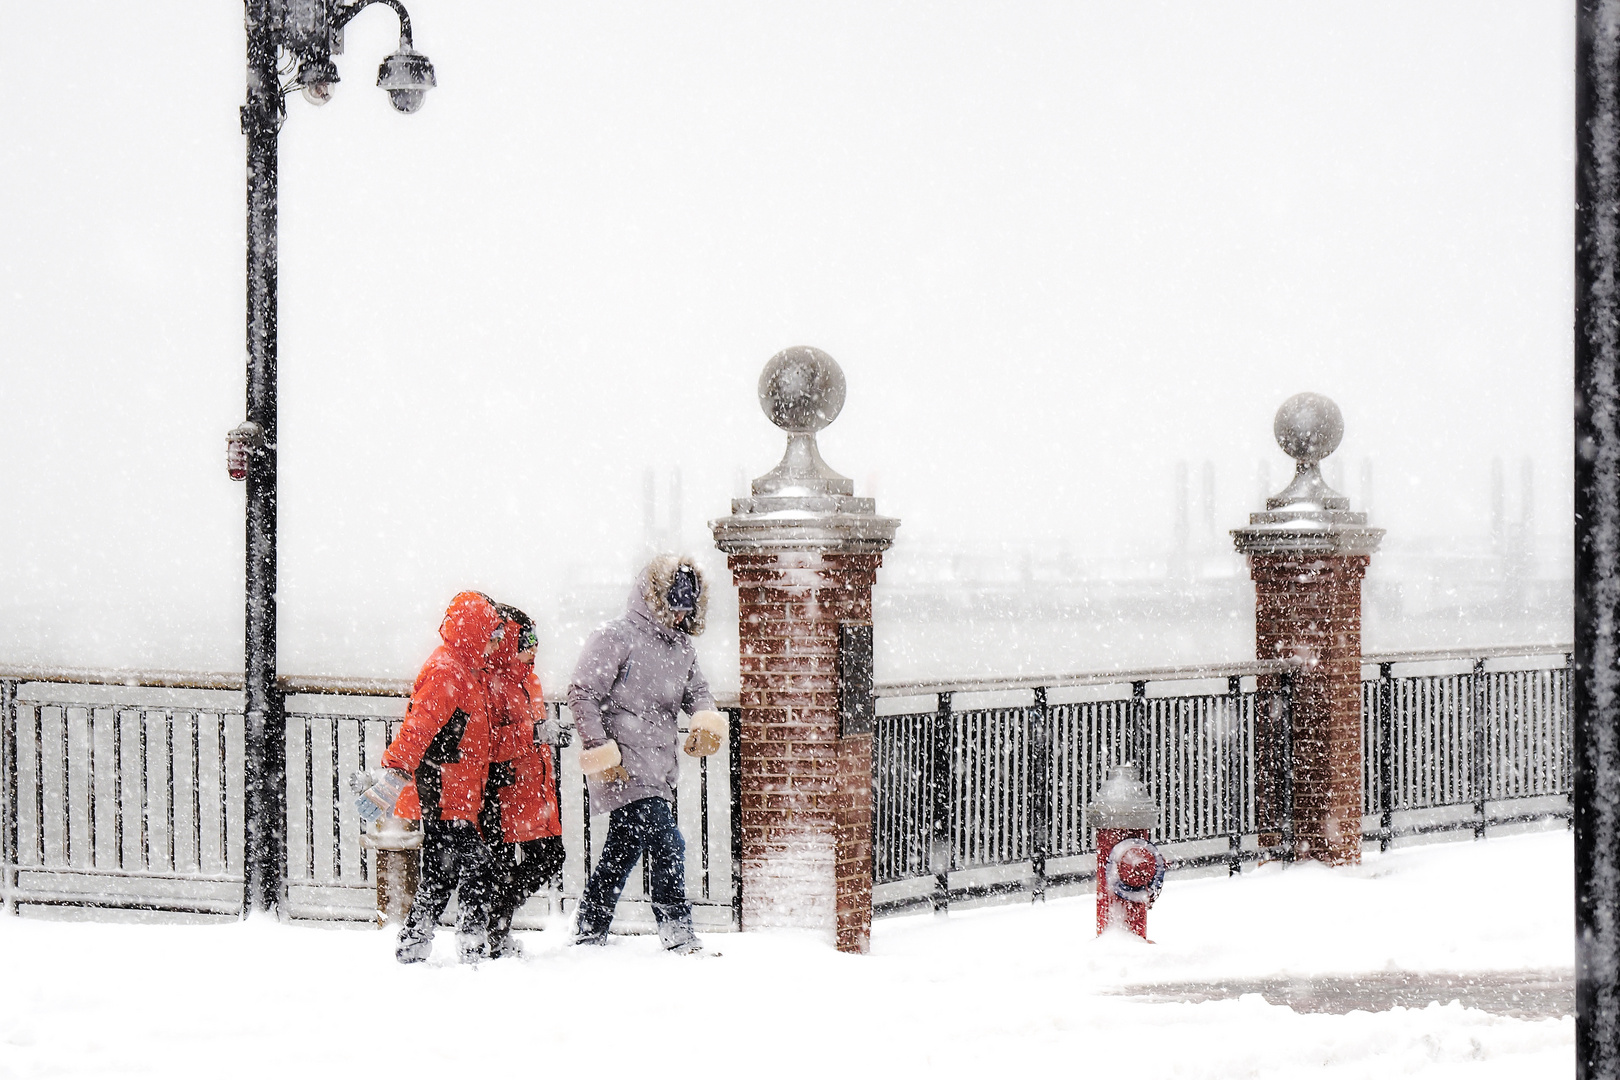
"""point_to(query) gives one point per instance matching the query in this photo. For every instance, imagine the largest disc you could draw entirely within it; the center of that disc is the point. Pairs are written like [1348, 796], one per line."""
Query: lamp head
[315, 78]
[407, 76]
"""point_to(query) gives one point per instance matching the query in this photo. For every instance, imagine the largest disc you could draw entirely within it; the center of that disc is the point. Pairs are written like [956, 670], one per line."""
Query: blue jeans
[644, 828]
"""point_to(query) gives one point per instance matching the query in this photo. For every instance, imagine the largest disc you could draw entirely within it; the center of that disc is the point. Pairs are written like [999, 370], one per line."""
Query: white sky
[1056, 248]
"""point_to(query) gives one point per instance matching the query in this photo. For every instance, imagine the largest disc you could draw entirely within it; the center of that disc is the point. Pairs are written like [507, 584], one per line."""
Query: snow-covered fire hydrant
[1130, 871]
[397, 843]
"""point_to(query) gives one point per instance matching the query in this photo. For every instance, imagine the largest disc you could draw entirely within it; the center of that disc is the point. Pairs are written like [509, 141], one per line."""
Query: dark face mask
[683, 593]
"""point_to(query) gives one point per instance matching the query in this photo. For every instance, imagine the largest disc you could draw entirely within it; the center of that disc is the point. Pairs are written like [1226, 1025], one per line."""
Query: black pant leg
[481, 878]
[542, 861]
[534, 863]
[440, 869]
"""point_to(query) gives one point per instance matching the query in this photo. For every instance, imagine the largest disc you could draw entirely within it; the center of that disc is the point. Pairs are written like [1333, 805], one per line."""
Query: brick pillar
[804, 555]
[1307, 554]
[1308, 608]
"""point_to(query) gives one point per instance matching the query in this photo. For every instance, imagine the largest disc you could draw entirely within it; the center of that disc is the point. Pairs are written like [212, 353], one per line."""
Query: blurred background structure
[1069, 256]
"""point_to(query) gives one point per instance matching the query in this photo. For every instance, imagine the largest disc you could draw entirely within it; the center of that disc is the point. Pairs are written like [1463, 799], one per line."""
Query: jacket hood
[504, 658]
[468, 623]
[650, 597]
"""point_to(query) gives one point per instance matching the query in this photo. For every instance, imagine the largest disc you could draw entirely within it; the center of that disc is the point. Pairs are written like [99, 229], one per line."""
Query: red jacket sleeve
[432, 704]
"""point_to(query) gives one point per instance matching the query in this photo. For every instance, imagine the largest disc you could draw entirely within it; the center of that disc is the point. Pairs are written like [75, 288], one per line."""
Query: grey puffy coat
[634, 679]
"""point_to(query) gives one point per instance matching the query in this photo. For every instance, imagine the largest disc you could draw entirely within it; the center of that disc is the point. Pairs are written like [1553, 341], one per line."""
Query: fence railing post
[554, 713]
[1385, 715]
[1233, 808]
[277, 761]
[1040, 794]
[939, 845]
[9, 837]
[1136, 740]
[1476, 763]
[585, 827]
[1285, 686]
[734, 789]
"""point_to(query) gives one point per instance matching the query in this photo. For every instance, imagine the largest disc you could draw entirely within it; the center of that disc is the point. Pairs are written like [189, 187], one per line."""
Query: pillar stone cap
[803, 503]
[1308, 516]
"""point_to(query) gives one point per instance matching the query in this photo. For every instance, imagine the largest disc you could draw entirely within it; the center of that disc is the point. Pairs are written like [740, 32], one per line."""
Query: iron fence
[127, 791]
[979, 801]
[329, 870]
[120, 803]
[959, 793]
[1453, 742]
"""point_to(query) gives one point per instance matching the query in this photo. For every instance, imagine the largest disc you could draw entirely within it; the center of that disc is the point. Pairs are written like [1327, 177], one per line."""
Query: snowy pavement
[984, 992]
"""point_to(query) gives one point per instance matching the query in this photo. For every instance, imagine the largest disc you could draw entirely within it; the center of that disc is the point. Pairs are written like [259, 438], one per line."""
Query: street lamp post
[307, 33]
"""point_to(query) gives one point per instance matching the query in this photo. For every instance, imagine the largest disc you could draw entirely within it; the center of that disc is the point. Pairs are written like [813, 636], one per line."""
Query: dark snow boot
[503, 944]
[415, 943]
[473, 946]
[587, 932]
[675, 931]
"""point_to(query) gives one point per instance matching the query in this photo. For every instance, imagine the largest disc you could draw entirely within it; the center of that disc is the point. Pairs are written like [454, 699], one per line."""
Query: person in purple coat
[636, 676]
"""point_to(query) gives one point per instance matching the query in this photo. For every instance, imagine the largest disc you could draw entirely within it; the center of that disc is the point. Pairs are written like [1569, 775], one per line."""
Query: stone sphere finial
[1308, 427]
[801, 389]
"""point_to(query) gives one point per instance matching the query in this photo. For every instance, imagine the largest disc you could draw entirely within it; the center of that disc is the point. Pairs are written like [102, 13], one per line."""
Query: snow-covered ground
[984, 992]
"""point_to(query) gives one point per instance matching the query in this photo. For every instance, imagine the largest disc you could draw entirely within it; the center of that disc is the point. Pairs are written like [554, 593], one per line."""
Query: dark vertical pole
[264, 829]
[1285, 744]
[1137, 739]
[1597, 540]
[8, 751]
[38, 715]
[556, 789]
[1477, 775]
[703, 819]
[1566, 737]
[939, 847]
[1233, 809]
[734, 787]
[1040, 793]
[1386, 754]
[585, 825]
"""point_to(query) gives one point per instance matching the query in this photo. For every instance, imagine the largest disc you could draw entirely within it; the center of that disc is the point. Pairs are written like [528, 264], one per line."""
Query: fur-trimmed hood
[650, 597]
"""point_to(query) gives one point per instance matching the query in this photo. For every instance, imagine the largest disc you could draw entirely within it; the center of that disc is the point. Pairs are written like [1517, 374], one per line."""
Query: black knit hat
[528, 637]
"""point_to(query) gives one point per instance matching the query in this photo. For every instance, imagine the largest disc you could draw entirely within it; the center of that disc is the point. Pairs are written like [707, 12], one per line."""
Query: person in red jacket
[445, 745]
[527, 800]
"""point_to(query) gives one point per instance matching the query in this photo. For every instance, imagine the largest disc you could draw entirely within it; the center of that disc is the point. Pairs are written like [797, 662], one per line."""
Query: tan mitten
[708, 733]
[603, 763]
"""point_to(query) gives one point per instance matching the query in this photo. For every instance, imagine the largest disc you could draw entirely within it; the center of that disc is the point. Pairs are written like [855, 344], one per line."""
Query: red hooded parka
[447, 738]
[529, 805]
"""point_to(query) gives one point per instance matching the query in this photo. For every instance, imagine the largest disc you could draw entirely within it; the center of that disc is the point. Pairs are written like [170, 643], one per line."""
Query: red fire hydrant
[1130, 871]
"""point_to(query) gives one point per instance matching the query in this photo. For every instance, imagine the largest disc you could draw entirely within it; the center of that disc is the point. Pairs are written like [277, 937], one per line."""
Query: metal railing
[962, 795]
[979, 801]
[120, 803]
[124, 789]
[329, 870]
[1451, 742]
